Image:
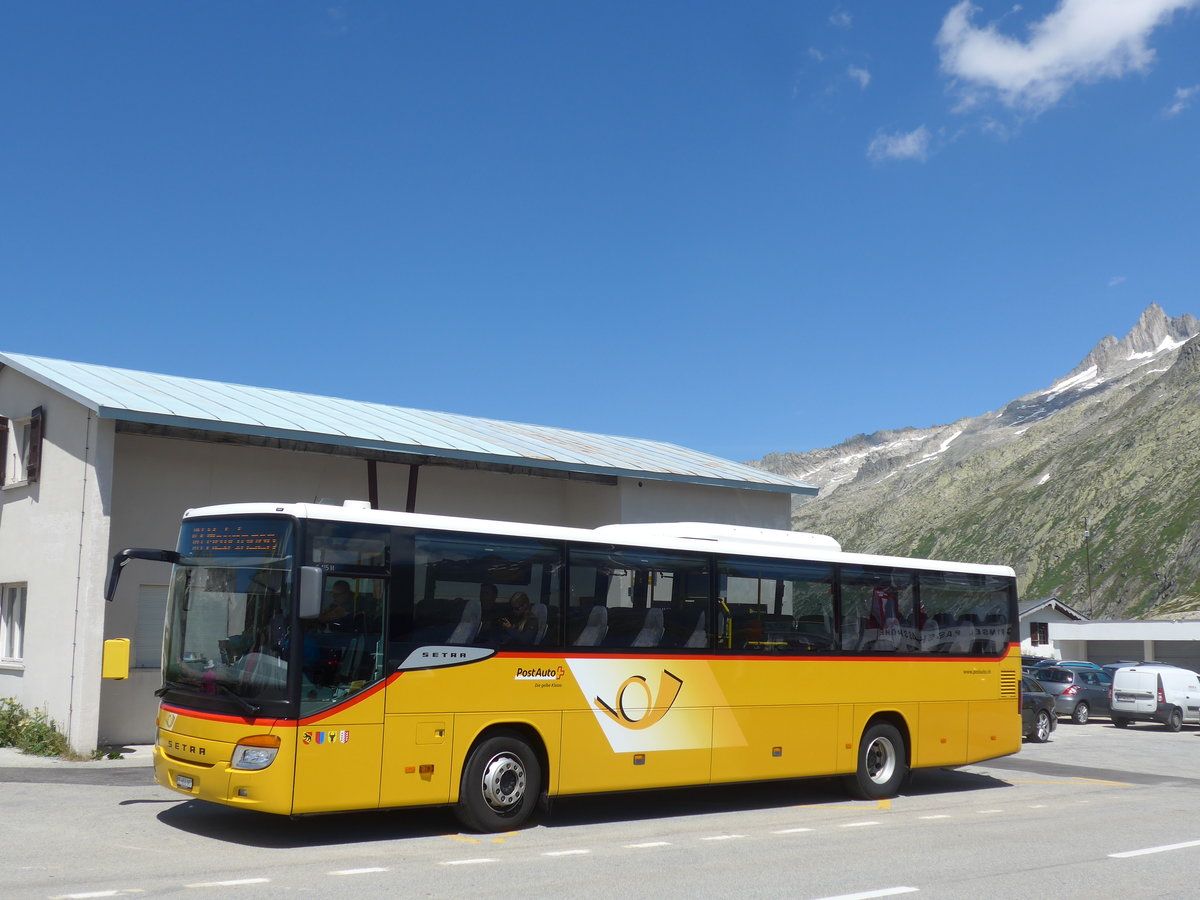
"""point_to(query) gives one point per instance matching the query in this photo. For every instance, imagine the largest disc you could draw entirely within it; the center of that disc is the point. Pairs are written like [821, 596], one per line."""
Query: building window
[21, 447]
[12, 622]
[148, 633]
[1039, 633]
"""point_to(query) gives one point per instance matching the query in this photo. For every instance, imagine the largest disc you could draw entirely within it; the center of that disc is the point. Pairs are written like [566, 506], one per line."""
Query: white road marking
[867, 895]
[369, 871]
[722, 837]
[647, 844]
[1149, 850]
[233, 883]
[466, 862]
[567, 853]
[857, 824]
[986, 811]
[86, 896]
[939, 816]
[791, 830]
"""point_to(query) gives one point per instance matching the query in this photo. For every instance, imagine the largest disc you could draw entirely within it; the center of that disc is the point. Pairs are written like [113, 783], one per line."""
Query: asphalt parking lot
[1140, 754]
[1096, 812]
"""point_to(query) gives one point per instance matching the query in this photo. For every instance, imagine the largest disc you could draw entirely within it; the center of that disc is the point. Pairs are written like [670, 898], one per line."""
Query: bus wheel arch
[884, 758]
[503, 779]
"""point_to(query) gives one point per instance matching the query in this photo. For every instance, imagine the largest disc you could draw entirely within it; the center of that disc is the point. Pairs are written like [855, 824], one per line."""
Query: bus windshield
[229, 610]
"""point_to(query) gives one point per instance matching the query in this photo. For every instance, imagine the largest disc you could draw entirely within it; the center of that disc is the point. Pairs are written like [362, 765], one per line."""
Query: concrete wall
[52, 537]
[1176, 643]
[670, 501]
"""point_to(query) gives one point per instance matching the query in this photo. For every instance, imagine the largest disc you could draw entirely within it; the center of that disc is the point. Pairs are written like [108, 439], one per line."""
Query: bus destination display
[236, 539]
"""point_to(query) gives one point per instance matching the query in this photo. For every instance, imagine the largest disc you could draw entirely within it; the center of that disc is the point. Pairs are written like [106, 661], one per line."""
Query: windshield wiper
[250, 708]
[174, 686]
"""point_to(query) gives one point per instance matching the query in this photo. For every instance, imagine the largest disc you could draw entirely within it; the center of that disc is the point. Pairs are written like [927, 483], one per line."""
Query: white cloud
[901, 145]
[1116, 280]
[1183, 99]
[816, 54]
[862, 76]
[839, 18]
[1080, 41]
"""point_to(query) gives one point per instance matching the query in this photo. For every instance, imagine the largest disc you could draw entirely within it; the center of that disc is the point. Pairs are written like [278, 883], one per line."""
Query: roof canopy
[202, 408]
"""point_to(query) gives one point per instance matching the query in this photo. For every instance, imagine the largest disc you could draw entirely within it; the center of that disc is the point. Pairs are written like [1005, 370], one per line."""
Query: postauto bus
[320, 658]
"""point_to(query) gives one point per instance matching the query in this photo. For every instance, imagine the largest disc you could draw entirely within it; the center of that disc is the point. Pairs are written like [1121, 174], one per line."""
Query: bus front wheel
[882, 765]
[500, 784]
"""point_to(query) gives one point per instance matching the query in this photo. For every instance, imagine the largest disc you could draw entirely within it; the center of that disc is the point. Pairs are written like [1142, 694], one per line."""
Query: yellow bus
[320, 658]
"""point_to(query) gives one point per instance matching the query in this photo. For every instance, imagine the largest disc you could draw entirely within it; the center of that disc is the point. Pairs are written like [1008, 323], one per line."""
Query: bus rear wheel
[882, 763]
[500, 784]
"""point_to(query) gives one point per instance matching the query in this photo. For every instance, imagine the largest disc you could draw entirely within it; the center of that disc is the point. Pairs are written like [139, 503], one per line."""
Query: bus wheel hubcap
[881, 760]
[503, 782]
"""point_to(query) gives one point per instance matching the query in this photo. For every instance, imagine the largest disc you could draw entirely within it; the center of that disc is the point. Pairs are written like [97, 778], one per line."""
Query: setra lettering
[181, 747]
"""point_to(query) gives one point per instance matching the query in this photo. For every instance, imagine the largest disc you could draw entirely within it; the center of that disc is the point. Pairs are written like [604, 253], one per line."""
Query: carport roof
[219, 408]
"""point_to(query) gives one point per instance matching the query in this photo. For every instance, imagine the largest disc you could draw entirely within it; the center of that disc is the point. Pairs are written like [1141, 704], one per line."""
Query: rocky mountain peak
[1154, 333]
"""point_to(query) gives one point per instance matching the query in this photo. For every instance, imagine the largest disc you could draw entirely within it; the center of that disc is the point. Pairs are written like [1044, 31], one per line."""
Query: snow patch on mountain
[906, 454]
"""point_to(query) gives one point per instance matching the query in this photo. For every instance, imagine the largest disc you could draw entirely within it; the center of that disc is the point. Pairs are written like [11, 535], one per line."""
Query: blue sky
[743, 228]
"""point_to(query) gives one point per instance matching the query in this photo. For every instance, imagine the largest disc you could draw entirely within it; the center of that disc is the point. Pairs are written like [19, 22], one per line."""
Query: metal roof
[212, 406]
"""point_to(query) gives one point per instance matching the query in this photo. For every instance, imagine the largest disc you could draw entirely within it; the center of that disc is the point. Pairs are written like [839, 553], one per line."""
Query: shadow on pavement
[256, 829]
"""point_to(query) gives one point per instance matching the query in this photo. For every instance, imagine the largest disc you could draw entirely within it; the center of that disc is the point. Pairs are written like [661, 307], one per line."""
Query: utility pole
[1087, 551]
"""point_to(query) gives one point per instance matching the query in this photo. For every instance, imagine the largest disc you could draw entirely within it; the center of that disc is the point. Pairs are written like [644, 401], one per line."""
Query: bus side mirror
[115, 662]
[312, 589]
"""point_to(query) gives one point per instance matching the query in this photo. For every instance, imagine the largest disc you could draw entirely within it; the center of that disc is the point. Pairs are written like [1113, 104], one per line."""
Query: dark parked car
[1038, 718]
[1069, 663]
[1077, 692]
[1111, 668]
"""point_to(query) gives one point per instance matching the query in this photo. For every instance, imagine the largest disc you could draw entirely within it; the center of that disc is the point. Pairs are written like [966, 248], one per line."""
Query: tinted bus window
[878, 612]
[637, 598]
[775, 607]
[971, 612]
[484, 589]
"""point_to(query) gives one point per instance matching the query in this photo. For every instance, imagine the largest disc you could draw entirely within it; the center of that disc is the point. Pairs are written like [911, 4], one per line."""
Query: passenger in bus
[521, 627]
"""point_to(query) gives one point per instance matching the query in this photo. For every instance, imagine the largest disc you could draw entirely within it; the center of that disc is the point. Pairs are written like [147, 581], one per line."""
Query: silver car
[1078, 693]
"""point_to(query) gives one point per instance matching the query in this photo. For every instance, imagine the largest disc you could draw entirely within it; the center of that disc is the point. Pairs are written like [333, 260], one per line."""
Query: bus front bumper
[201, 770]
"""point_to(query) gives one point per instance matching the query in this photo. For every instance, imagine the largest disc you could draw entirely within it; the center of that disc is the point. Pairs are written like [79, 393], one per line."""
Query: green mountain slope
[1124, 457]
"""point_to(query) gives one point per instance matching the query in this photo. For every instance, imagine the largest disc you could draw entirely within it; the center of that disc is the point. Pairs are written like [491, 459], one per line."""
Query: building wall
[671, 501]
[1051, 650]
[157, 479]
[1176, 643]
[52, 538]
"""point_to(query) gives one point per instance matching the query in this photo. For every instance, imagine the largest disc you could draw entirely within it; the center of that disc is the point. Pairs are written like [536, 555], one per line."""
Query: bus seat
[541, 615]
[929, 635]
[699, 636]
[468, 626]
[595, 629]
[652, 630]
[965, 636]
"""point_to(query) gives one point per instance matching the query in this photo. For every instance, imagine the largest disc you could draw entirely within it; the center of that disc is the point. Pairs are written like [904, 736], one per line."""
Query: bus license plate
[183, 782]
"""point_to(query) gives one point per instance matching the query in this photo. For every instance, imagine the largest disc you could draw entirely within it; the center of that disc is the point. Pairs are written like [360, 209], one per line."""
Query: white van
[1154, 692]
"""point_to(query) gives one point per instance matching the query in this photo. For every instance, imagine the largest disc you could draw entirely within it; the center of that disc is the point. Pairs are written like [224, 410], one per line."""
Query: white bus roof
[703, 537]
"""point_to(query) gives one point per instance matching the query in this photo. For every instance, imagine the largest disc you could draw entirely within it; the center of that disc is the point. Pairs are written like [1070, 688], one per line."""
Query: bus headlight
[255, 752]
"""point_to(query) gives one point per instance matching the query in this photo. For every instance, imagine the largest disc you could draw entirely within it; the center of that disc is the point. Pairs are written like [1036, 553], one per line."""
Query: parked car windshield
[1058, 676]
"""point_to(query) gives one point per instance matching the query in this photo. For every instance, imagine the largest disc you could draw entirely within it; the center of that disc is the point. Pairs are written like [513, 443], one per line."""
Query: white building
[97, 459]
[1036, 617]
[1174, 643]
[1056, 630]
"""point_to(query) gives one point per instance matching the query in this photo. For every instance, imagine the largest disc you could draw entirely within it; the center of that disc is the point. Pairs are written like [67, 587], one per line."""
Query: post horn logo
[629, 713]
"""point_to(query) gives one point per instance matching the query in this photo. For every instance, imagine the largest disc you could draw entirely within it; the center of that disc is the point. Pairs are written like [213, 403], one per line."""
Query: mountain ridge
[1083, 487]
